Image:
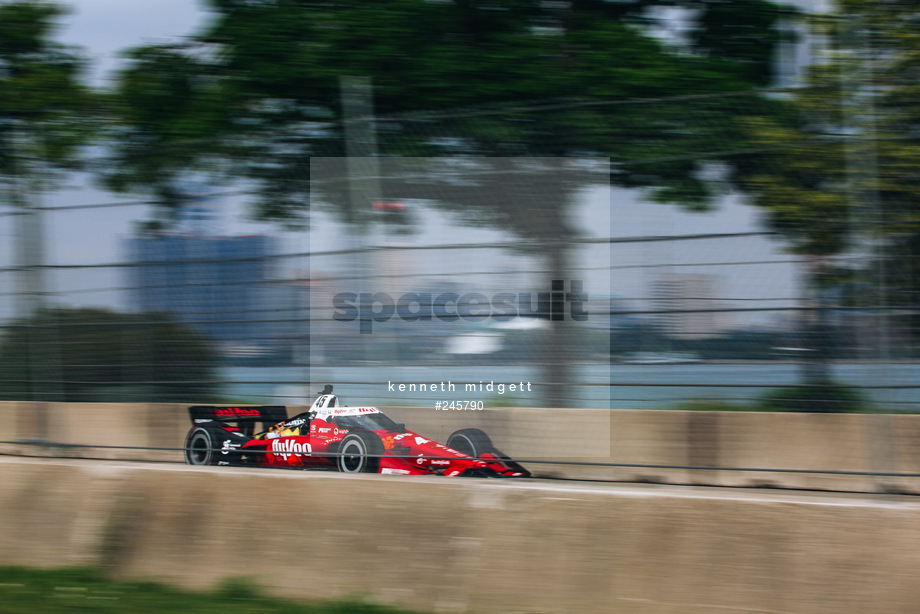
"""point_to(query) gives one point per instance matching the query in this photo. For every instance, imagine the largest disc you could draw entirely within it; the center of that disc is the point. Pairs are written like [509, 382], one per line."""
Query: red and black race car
[332, 436]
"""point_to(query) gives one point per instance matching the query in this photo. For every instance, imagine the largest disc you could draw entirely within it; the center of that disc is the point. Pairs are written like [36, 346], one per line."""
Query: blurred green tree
[260, 86]
[836, 171]
[257, 93]
[101, 355]
[46, 115]
[46, 110]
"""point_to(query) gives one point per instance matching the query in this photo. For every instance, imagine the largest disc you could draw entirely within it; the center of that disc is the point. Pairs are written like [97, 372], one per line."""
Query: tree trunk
[557, 352]
[816, 366]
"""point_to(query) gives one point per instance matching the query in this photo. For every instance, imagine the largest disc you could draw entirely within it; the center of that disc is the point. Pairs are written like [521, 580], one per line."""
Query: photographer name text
[449, 386]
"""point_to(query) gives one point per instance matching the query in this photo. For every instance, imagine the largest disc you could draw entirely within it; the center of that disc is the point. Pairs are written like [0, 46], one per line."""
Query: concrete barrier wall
[94, 430]
[448, 545]
[785, 442]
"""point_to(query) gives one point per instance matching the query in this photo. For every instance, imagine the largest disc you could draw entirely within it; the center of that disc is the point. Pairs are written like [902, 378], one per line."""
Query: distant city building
[686, 306]
[224, 287]
[608, 313]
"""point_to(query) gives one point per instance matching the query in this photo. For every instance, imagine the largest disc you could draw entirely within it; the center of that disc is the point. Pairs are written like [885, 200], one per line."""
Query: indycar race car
[333, 436]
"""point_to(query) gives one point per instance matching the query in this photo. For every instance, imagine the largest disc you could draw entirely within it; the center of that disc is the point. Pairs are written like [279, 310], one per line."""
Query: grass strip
[60, 591]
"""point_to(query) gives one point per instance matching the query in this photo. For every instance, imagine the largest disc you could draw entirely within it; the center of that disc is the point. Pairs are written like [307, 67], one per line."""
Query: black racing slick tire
[199, 448]
[474, 442]
[359, 452]
[471, 442]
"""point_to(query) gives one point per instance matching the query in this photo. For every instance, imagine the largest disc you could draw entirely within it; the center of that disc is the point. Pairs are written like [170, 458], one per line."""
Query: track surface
[544, 486]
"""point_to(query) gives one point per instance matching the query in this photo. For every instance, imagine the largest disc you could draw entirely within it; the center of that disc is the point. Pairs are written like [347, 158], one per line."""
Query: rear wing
[266, 414]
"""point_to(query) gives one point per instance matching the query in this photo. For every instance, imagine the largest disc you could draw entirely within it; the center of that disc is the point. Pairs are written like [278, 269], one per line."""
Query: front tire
[471, 442]
[359, 452]
[199, 448]
[474, 442]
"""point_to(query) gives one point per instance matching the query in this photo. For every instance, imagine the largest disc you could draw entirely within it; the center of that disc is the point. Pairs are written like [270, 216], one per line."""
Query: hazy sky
[106, 27]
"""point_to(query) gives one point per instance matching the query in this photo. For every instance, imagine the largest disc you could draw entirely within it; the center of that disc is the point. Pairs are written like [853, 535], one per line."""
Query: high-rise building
[687, 307]
[221, 286]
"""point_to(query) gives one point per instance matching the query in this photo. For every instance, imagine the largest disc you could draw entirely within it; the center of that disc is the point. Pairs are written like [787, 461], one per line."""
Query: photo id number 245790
[458, 405]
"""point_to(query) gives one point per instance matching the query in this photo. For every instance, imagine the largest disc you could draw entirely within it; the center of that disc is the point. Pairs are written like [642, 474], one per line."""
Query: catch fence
[662, 305]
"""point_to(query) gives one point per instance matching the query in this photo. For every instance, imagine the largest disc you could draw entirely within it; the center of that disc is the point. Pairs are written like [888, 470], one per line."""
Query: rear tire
[199, 448]
[471, 442]
[359, 452]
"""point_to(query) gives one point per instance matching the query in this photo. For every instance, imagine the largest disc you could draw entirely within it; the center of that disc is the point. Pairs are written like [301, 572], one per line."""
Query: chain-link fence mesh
[698, 302]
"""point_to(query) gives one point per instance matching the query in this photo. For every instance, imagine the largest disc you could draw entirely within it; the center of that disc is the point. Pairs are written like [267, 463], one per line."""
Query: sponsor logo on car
[346, 411]
[225, 412]
[434, 461]
[285, 447]
[228, 446]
